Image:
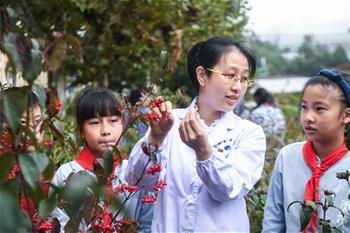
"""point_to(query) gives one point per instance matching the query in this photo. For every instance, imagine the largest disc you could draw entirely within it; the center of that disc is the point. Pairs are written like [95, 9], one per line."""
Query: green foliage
[276, 63]
[311, 57]
[46, 206]
[14, 104]
[314, 56]
[117, 43]
[11, 215]
[32, 165]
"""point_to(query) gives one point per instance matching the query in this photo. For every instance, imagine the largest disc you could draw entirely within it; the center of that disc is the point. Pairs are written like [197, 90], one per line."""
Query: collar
[86, 159]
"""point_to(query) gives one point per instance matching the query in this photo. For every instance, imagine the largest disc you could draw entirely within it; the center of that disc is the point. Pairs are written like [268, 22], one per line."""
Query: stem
[129, 196]
[133, 120]
[25, 193]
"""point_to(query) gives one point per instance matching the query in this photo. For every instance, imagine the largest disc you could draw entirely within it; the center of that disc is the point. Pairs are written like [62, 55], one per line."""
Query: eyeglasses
[233, 77]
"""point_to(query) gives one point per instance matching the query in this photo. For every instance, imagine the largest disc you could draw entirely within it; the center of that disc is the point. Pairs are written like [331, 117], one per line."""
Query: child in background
[99, 123]
[35, 119]
[268, 116]
[303, 170]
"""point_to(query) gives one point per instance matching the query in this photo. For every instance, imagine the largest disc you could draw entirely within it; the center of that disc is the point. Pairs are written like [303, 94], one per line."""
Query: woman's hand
[194, 136]
[160, 127]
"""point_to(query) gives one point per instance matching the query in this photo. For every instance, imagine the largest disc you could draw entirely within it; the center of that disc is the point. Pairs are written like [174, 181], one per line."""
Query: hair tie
[339, 80]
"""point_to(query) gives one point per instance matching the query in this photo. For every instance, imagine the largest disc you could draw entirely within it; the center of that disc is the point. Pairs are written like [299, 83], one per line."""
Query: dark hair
[262, 96]
[326, 82]
[208, 53]
[95, 102]
[135, 96]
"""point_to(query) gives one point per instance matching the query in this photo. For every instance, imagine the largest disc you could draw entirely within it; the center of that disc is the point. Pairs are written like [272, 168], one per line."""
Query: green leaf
[12, 219]
[335, 230]
[108, 162]
[311, 204]
[14, 102]
[11, 49]
[75, 44]
[305, 216]
[33, 68]
[41, 93]
[56, 54]
[46, 206]
[31, 167]
[329, 200]
[49, 171]
[77, 186]
[11, 12]
[30, 134]
[7, 161]
[343, 175]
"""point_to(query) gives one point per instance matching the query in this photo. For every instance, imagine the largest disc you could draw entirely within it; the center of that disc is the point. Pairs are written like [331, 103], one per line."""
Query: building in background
[8, 79]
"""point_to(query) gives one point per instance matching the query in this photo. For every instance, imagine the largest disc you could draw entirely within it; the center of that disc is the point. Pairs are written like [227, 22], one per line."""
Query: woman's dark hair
[326, 82]
[262, 96]
[208, 53]
[95, 102]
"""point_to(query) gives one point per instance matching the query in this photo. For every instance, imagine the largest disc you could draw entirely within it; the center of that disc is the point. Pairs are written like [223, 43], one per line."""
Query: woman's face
[219, 93]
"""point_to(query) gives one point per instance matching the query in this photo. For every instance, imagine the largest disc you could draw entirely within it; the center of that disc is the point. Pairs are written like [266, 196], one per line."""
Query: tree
[275, 62]
[314, 56]
[117, 43]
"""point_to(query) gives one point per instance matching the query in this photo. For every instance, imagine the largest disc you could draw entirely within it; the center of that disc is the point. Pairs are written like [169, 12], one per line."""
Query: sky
[288, 19]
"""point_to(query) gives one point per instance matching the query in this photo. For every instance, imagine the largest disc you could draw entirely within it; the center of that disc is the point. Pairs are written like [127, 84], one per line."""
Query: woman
[210, 158]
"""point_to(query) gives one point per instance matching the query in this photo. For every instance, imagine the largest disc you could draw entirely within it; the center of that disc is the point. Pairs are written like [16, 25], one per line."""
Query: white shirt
[204, 196]
[141, 212]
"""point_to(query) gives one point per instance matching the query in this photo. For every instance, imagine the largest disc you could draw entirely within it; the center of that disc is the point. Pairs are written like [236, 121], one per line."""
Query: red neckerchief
[87, 159]
[311, 189]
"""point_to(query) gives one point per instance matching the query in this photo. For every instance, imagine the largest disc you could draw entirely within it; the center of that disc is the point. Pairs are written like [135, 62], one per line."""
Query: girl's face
[221, 94]
[102, 133]
[323, 115]
[35, 123]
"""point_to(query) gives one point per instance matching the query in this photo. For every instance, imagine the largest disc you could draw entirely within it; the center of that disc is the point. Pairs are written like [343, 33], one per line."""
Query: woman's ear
[201, 76]
[346, 118]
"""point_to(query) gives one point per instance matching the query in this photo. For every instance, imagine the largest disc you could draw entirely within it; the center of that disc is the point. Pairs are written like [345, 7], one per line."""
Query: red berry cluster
[41, 224]
[156, 168]
[14, 172]
[57, 106]
[151, 116]
[104, 222]
[149, 199]
[123, 187]
[48, 144]
[6, 140]
[158, 186]
[156, 102]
